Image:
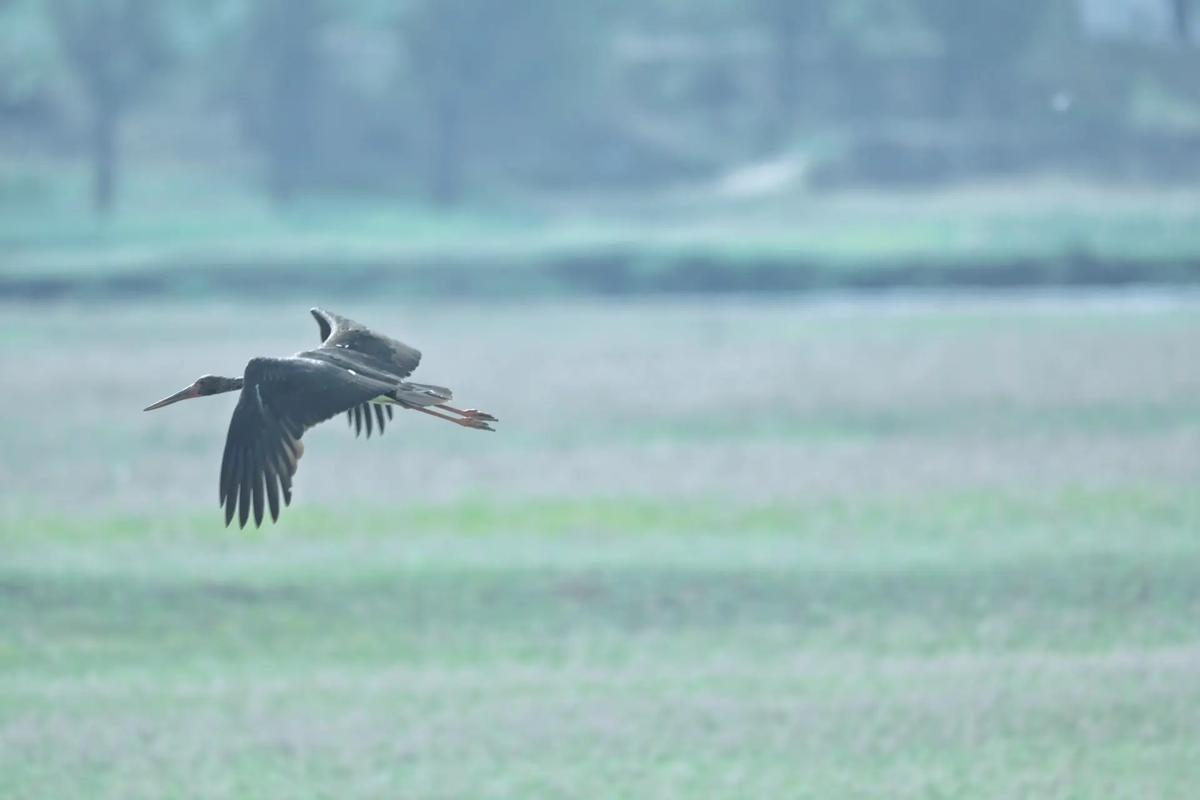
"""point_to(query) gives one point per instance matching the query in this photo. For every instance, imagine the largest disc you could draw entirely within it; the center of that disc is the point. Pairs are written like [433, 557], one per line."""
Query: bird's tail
[415, 395]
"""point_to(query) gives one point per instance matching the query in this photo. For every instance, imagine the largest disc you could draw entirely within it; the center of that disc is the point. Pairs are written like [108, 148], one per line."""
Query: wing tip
[325, 321]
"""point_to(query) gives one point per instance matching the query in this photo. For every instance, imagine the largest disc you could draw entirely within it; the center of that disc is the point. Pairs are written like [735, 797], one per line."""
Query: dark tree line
[277, 98]
[480, 92]
[115, 48]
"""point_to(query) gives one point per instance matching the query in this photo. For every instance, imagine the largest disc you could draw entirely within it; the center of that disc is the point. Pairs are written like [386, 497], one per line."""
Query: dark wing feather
[281, 399]
[392, 356]
[354, 346]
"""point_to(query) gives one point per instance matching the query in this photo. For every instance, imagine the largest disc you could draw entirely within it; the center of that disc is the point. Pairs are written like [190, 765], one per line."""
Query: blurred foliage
[453, 99]
[501, 77]
[282, 67]
[113, 49]
[981, 44]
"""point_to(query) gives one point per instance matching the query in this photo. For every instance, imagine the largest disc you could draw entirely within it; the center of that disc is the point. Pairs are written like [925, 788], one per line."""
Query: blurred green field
[186, 233]
[911, 547]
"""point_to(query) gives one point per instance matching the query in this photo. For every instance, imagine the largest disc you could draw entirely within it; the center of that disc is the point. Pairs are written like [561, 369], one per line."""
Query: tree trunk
[785, 21]
[787, 65]
[104, 156]
[446, 153]
[1183, 20]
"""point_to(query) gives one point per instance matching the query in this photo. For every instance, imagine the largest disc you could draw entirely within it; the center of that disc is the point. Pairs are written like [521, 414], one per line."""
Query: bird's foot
[475, 413]
[476, 423]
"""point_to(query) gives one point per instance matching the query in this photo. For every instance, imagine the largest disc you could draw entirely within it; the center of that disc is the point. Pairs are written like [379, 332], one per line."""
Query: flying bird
[355, 370]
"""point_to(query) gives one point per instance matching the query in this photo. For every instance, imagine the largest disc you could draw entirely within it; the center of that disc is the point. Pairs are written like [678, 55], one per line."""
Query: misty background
[616, 147]
[845, 360]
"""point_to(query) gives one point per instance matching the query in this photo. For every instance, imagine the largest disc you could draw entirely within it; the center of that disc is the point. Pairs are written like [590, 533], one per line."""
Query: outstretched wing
[281, 399]
[381, 352]
[355, 346]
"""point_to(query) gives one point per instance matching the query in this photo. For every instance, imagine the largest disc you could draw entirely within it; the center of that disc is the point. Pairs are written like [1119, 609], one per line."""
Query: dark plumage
[355, 371]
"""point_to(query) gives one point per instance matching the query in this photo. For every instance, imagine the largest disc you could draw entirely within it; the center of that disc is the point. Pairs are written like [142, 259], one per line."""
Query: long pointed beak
[185, 394]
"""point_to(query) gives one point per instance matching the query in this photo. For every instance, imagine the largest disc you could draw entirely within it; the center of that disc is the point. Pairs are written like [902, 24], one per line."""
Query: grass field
[179, 232]
[905, 548]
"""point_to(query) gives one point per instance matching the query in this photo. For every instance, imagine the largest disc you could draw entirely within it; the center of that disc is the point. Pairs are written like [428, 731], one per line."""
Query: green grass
[693, 562]
[185, 233]
[594, 650]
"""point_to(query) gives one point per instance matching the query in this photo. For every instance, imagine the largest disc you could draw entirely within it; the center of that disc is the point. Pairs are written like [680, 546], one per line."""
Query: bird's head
[201, 387]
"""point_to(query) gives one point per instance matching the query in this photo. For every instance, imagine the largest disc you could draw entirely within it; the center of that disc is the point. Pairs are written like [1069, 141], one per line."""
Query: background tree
[1181, 14]
[114, 49]
[494, 79]
[982, 43]
[789, 26]
[277, 88]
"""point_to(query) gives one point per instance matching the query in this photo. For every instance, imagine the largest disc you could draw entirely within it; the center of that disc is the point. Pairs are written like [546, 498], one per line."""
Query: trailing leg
[466, 422]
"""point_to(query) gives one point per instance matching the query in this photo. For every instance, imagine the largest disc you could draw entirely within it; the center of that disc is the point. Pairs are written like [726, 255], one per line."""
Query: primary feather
[281, 399]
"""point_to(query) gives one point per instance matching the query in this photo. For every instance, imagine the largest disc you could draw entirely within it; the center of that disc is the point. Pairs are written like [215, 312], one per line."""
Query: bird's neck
[230, 385]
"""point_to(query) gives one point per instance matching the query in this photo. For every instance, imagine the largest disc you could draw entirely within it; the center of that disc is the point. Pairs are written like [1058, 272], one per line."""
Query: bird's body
[355, 371]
